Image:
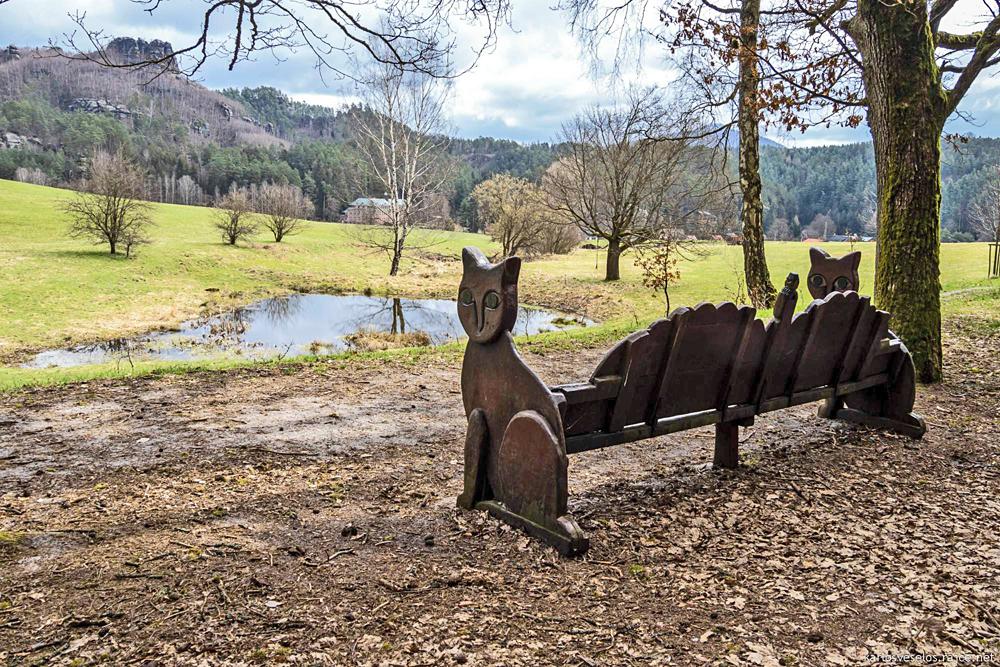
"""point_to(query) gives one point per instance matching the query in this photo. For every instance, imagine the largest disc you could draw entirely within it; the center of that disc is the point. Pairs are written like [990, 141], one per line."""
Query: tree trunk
[612, 270]
[759, 286]
[114, 247]
[906, 113]
[398, 322]
[397, 256]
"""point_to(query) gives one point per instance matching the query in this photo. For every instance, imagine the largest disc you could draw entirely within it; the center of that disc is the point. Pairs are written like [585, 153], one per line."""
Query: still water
[290, 326]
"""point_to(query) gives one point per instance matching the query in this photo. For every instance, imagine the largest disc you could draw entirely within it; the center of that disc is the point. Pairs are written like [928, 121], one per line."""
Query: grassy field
[59, 291]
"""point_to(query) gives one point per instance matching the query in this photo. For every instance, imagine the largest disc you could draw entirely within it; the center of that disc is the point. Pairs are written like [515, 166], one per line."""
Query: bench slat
[590, 441]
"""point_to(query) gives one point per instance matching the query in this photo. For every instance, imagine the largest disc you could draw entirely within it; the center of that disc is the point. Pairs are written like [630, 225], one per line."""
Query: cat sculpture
[515, 451]
[832, 274]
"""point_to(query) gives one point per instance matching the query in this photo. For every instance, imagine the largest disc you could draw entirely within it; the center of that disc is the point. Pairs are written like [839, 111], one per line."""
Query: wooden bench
[708, 365]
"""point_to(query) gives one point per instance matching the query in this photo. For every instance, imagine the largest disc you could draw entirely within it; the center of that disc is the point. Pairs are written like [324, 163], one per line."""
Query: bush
[235, 220]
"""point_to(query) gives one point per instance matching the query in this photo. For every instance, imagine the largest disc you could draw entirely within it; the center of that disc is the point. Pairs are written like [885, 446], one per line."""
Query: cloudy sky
[533, 80]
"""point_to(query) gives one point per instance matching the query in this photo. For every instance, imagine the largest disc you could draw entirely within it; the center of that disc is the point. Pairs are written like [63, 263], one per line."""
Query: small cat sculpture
[832, 274]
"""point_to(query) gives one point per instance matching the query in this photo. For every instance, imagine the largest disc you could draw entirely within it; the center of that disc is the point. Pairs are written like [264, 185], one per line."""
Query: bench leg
[727, 445]
[831, 407]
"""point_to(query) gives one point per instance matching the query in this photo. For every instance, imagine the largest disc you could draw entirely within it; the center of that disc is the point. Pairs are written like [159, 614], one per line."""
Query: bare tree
[189, 191]
[714, 45]
[110, 207]
[408, 35]
[508, 206]
[623, 169]
[985, 212]
[235, 217]
[402, 134]
[31, 175]
[780, 230]
[558, 235]
[517, 216]
[283, 208]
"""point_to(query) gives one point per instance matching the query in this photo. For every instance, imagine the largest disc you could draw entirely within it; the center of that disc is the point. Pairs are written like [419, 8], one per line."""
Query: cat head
[831, 274]
[487, 296]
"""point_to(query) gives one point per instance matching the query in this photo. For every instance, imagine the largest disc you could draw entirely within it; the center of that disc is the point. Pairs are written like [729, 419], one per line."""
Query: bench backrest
[712, 357]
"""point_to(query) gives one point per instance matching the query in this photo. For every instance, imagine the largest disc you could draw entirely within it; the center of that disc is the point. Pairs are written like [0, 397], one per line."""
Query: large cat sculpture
[515, 447]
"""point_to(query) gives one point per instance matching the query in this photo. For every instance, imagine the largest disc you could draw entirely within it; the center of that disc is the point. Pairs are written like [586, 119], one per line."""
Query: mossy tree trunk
[907, 107]
[758, 279]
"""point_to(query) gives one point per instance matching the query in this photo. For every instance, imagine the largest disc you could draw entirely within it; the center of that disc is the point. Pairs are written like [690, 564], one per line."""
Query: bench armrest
[598, 389]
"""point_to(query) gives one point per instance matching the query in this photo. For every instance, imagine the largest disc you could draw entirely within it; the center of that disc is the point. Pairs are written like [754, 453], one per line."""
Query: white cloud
[534, 80]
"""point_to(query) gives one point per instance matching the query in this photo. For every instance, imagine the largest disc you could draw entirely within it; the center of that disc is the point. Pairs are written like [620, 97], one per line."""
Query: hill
[196, 143]
[839, 182]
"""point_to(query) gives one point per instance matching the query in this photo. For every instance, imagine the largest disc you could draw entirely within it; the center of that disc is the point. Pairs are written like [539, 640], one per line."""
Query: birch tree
[402, 131]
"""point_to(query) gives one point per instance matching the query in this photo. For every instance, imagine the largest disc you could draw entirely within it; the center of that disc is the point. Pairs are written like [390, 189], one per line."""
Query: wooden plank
[590, 441]
[776, 333]
[600, 389]
[565, 545]
[881, 322]
[850, 341]
[808, 396]
[845, 388]
[669, 360]
[740, 344]
[807, 339]
[677, 423]
[641, 381]
[860, 342]
[727, 446]
[913, 429]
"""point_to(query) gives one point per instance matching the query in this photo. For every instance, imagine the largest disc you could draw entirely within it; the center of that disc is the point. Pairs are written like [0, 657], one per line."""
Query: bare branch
[409, 35]
[982, 57]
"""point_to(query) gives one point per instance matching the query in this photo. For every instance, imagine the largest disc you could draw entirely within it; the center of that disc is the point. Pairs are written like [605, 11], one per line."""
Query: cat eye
[841, 283]
[492, 300]
[817, 280]
[466, 298]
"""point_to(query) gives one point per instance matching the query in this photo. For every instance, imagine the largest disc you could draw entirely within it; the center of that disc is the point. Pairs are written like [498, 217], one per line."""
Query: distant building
[369, 211]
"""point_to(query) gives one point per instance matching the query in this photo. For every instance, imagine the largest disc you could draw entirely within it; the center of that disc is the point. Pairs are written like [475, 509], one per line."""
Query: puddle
[292, 325]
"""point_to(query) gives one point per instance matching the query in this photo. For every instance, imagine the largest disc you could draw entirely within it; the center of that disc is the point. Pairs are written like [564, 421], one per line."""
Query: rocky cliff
[131, 51]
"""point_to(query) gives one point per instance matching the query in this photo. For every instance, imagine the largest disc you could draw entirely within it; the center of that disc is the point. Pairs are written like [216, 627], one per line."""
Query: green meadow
[58, 291]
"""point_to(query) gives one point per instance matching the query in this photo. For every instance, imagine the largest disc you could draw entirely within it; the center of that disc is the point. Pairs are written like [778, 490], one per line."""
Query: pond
[295, 325]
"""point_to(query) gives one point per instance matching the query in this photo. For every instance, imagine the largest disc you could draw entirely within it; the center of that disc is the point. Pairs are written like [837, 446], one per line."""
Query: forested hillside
[803, 185]
[196, 143]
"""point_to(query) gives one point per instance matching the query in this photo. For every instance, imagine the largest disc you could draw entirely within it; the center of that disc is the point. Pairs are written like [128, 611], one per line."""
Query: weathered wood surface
[707, 365]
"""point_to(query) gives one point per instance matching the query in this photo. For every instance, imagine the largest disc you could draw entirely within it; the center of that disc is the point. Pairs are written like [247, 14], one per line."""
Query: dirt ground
[307, 516]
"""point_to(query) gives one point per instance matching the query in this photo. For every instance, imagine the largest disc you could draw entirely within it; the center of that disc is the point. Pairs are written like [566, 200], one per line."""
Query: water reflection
[291, 325]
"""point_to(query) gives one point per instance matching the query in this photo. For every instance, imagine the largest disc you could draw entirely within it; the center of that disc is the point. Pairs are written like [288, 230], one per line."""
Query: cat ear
[511, 270]
[472, 257]
[816, 254]
[853, 259]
